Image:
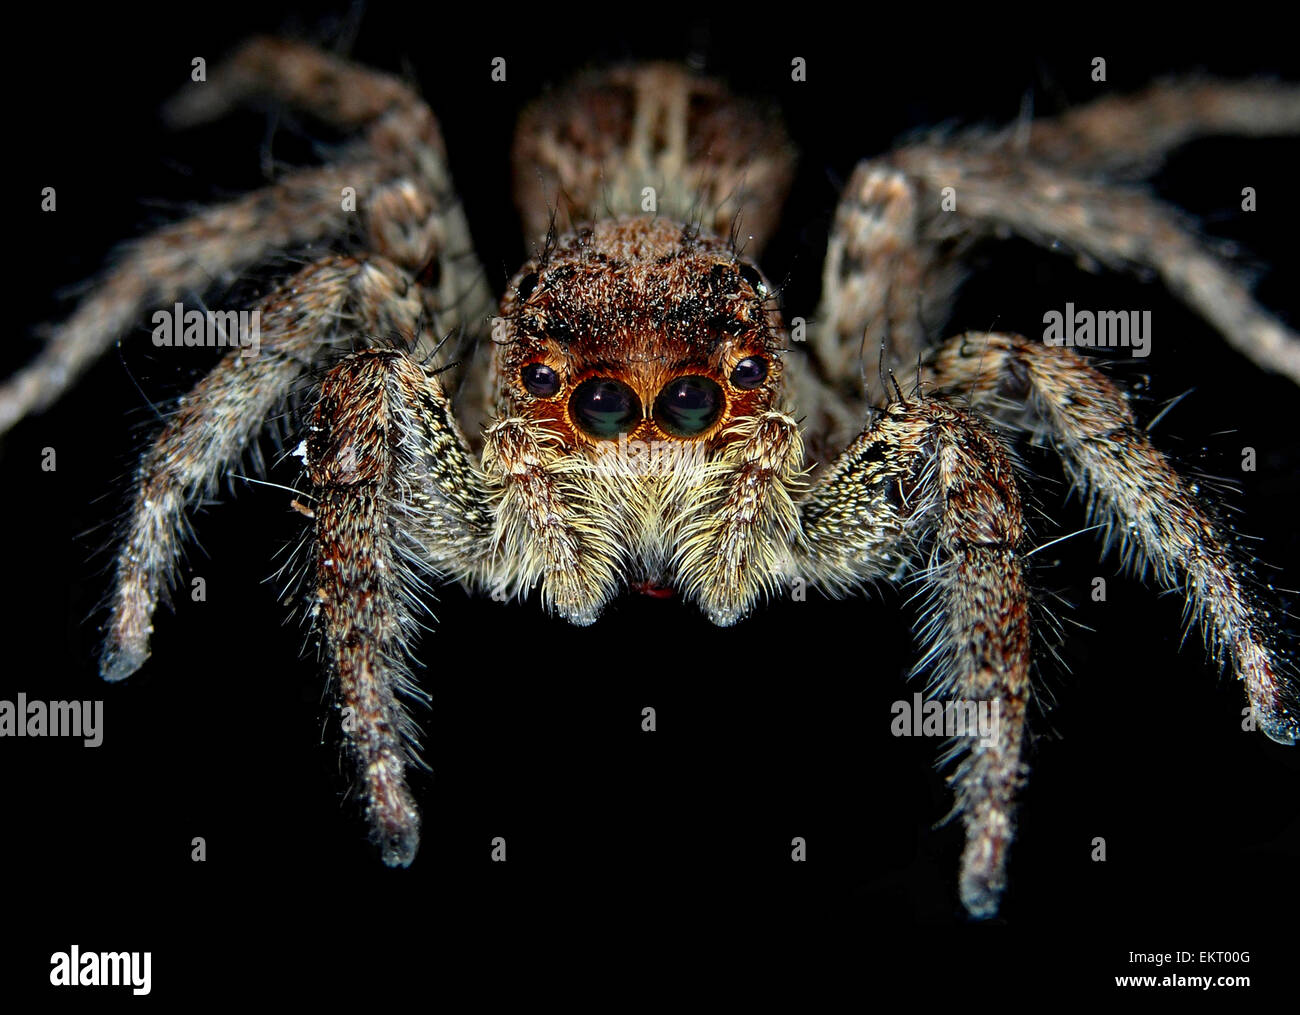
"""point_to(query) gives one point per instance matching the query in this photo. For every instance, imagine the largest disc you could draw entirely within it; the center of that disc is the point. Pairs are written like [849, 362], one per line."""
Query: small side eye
[749, 373]
[540, 379]
[751, 275]
[526, 286]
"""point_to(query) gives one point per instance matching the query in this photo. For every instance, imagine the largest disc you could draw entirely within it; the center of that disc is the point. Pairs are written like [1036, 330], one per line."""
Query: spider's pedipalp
[929, 476]
[1147, 509]
[732, 540]
[303, 322]
[553, 526]
[395, 490]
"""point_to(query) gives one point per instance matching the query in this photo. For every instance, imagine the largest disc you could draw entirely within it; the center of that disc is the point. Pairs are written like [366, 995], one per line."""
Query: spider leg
[894, 260]
[397, 496]
[180, 259]
[1131, 134]
[405, 209]
[413, 216]
[927, 473]
[1117, 226]
[885, 285]
[1151, 512]
[296, 74]
[303, 322]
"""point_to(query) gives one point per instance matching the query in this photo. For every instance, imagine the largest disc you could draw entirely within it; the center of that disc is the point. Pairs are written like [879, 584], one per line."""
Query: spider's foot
[980, 895]
[394, 819]
[1281, 729]
[983, 867]
[1275, 702]
[120, 662]
[398, 836]
[399, 849]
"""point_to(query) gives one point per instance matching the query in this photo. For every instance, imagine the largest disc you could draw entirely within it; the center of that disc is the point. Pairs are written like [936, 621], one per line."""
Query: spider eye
[431, 274]
[605, 408]
[526, 286]
[540, 379]
[749, 373]
[750, 274]
[688, 406]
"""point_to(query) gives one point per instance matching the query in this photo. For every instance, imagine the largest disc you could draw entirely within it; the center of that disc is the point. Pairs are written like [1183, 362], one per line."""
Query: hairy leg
[1119, 227]
[412, 216]
[314, 315]
[886, 287]
[928, 476]
[181, 259]
[1133, 133]
[397, 497]
[405, 210]
[1147, 509]
[894, 262]
[293, 73]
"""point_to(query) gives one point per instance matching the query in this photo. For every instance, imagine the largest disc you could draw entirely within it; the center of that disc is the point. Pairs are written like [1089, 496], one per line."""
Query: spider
[636, 413]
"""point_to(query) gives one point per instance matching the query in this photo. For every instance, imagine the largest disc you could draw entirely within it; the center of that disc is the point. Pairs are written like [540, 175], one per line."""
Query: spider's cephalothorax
[643, 422]
[641, 328]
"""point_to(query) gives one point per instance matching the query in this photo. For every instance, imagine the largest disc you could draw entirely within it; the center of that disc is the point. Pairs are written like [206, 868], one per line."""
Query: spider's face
[642, 328]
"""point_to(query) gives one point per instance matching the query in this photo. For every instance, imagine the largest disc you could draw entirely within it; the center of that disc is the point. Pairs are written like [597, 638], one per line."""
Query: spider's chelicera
[632, 328]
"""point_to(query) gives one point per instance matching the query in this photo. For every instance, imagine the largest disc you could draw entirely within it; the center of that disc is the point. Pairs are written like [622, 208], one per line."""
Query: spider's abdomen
[651, 138]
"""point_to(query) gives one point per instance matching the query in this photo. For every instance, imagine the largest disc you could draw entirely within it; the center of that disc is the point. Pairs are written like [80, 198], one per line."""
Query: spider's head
[638, 327]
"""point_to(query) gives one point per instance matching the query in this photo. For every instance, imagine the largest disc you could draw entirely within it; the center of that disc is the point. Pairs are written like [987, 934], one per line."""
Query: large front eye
[688, 406]
[605, 408]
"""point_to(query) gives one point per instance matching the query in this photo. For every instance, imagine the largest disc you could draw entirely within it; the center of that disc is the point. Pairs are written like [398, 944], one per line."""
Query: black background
[663, 849]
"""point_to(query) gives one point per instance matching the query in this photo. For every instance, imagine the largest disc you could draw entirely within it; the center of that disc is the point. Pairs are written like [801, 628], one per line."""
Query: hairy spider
[634, 414]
